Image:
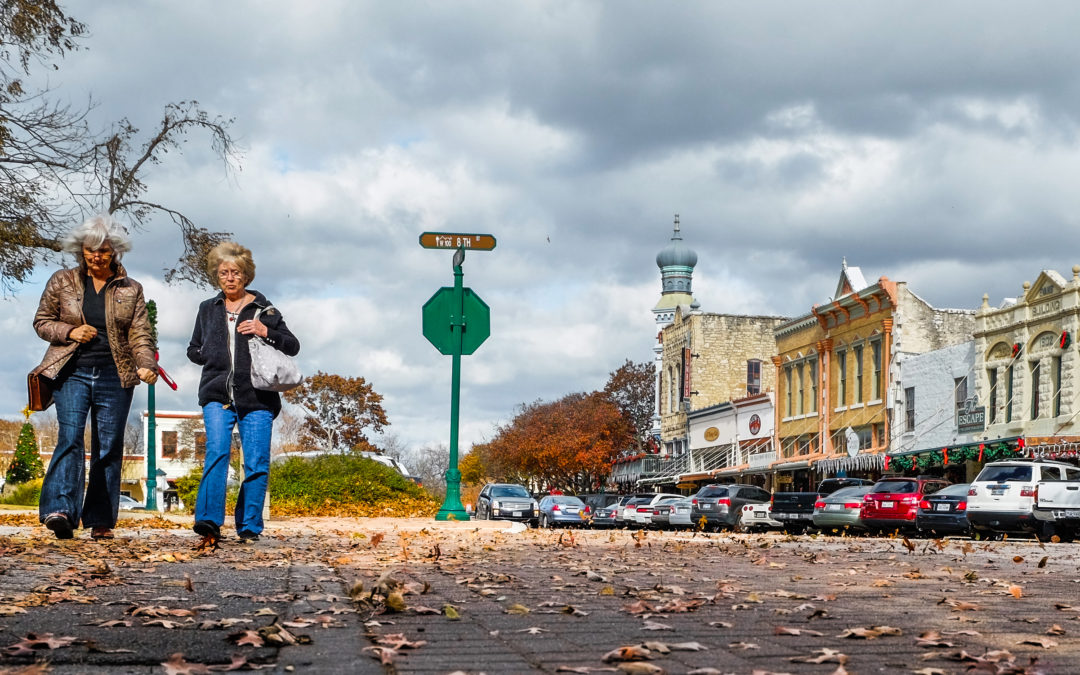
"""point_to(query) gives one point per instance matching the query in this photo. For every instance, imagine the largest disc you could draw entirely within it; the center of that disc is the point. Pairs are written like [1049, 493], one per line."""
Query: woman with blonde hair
[225, 324]
[100, 345]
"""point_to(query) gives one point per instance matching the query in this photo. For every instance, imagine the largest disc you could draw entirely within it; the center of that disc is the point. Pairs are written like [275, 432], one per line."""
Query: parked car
[721, 505]
[129, 504]
[642, 513]
[796, 509]
[944, 512]
[561, 510]
[1001, 499]
[507, 501]
[624, 501]
[1057, 506]
[603, 516]
[893, 502]
[840, 510]
[661, 515]
[599, 500]
[681, 514]
[758, 516]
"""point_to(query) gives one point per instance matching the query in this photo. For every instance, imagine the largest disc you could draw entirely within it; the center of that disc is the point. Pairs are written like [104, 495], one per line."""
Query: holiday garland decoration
[1016, 349]
[965, 453]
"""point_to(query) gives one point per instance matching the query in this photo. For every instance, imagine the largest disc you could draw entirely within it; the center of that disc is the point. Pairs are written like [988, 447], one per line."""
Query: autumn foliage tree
[632, 388]
[568, 444]
[340, 411]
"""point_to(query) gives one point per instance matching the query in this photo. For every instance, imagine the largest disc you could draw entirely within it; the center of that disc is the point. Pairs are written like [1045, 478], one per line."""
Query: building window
[753, 377]
[960, 394]
[802, 388]
[787, 389]
[168, 444]
[1036, 375]
[992, 374]
[1055, 370]
[200, 445]
[858, 374]
[1009, 394]
[673, 384]
[813, 385]
[909, 409]
[875, 349]
[841, 366]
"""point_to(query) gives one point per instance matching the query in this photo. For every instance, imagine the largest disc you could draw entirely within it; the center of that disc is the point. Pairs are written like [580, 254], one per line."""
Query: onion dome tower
[676, 262]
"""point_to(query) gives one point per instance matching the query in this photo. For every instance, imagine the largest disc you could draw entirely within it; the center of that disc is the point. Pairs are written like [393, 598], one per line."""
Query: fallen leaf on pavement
[1016, 591]
[824, 655]
[1045, 643]
[639, 668]
[656, 625]
[784, 630]
[517, 609]
[176, 665]
[1055, 630]
[247, 637]
[743, 645]
[627, 653]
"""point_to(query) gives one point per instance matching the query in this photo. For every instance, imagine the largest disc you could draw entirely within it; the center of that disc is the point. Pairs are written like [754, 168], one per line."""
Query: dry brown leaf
[823, 655]
[517, 609]
[247, 637]
[1055, 630]
[1042, 563]
[1045, 643]
[384, 654]
[1018, 559]
[176, 665]
[743, 645]
[640, 668]
[656, 625]
[1016, 591]
[785, 630]
[627, 653]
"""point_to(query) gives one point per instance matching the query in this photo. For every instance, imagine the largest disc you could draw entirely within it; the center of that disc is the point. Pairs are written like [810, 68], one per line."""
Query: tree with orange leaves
[567, 444]
[338, 412]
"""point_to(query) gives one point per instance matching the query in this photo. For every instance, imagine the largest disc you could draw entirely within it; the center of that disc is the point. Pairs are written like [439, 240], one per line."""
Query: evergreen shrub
[344, 485]
[23, 494]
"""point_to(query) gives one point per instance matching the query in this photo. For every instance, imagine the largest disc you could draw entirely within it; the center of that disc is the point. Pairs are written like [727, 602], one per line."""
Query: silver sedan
[680, 513]
[840, 511]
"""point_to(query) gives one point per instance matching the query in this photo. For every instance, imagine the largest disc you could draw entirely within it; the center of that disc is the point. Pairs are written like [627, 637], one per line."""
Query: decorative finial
[1076, 272]
[676, 224]
[843, 262]
[986, 300]
[1027, 285]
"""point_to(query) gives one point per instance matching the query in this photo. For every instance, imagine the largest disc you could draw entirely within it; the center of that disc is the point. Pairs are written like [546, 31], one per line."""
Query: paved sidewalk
[480, 597]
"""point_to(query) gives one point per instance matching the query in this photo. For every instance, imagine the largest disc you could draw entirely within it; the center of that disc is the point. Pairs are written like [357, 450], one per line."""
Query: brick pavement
[536, 601]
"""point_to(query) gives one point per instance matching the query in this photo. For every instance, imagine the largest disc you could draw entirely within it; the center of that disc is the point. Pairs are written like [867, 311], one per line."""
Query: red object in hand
[165, 376]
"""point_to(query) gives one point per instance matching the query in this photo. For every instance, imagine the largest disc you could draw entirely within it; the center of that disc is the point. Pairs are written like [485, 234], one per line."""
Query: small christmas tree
[26, 465]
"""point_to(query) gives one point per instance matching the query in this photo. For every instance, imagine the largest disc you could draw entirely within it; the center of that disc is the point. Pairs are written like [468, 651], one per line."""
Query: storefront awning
[790, 466]
[857, 463]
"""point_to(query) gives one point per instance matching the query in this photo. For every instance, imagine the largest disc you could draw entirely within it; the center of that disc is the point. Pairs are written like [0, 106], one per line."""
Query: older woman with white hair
[100, 345]
[225, 325]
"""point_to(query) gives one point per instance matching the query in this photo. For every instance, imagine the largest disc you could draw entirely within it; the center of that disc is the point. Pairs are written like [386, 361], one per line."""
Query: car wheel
[543, 521]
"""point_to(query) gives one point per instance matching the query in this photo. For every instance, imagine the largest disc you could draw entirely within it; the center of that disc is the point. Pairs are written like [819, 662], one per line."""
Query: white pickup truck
[1057, 505]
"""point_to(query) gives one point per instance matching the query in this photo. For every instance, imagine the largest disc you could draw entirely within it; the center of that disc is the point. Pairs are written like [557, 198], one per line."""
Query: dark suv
[721, 505]
[600, 508]
[507, 501]
[893, 502]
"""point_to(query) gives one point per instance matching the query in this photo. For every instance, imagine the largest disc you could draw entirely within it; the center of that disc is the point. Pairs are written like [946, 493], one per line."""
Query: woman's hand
[84, 333]
[147, 375]
[252, 327]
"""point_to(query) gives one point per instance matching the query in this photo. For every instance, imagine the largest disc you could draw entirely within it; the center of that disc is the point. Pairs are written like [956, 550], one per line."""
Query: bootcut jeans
[93, 392]
[255, 429]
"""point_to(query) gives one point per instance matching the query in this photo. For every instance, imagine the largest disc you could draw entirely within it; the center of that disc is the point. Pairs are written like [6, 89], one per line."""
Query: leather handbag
[272, 370]
[39, 391]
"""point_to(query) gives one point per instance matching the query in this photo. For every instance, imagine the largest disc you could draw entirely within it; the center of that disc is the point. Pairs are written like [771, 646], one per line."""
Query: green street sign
[440, 315]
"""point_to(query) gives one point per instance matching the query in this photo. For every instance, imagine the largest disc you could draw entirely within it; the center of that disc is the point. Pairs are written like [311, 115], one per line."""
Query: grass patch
[344, 485]
[23, 494]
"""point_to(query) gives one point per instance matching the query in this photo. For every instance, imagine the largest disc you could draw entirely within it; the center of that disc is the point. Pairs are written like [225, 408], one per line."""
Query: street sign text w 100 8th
[470, 242]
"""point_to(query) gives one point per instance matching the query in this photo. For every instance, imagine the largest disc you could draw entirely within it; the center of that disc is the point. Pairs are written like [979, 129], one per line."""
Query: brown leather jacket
[128, 325]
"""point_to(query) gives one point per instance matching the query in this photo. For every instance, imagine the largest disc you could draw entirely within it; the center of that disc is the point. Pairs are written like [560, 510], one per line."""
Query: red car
[893, 502]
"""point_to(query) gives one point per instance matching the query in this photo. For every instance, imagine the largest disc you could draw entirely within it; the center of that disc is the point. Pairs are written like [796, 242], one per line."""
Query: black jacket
[209, 348]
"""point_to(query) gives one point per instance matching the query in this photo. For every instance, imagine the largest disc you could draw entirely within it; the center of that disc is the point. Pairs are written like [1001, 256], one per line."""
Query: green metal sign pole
[452, 509]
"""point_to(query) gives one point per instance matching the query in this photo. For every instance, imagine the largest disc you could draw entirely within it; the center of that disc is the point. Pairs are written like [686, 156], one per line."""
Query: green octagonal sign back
[438, 313]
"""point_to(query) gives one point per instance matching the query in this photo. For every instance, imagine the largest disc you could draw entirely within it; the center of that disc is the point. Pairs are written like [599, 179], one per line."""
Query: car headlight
[496, 504]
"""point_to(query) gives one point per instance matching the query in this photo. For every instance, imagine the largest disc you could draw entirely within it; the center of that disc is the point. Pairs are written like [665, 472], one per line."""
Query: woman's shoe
[207, 528]
[102, 533]
[59, 524]
[247, 536]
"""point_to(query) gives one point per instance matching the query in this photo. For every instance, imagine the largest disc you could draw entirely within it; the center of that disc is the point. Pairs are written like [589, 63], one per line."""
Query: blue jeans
[255, 428]
[81, 392]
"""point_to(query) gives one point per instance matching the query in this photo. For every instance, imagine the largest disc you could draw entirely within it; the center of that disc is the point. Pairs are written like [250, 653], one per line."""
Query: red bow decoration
[981, 448]
[945, 451]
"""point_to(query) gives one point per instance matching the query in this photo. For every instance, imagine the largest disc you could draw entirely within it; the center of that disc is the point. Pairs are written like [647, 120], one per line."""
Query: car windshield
[712, 491]
[1000, 474]
[895, 486]
[568, 500]
[957, 490]
[849, 492]
[509, 491]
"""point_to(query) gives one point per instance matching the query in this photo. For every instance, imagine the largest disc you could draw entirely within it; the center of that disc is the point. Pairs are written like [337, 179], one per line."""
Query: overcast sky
[938, 148]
